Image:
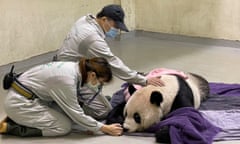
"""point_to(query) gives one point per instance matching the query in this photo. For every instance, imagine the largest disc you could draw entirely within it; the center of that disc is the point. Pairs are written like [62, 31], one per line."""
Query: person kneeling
[32, 99]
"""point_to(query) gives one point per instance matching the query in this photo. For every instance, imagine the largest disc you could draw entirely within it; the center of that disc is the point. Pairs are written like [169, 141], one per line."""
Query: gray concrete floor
[218, 61]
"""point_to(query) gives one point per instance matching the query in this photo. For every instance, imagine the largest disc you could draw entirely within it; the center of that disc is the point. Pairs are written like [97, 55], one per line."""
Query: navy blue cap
[116, 13]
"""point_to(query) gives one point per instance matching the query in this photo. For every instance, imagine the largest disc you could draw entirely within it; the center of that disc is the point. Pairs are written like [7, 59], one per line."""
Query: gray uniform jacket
[58, 82]
[86, 39]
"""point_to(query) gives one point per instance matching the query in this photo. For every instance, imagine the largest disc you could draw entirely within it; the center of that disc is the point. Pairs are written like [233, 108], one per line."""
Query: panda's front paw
[162, 135]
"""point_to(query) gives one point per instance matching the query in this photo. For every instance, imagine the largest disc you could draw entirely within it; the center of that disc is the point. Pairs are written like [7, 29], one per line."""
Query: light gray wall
[32, 27]
[218, 19]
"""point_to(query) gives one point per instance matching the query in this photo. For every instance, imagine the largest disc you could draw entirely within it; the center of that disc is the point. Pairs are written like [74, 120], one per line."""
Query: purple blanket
[225, 89]
[187, 126]
[222, 109]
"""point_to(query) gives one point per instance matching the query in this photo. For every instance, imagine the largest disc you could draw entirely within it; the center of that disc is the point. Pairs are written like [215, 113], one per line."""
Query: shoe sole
[1, 123]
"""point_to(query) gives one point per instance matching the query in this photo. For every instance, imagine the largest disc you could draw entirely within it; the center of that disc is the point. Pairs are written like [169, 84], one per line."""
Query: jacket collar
[92, 20]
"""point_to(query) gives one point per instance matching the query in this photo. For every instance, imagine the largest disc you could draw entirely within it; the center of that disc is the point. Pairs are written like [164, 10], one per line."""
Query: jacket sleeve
[63, 90]
[97, 47]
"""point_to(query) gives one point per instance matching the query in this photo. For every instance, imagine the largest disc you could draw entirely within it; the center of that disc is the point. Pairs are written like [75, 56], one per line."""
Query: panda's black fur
[184, 97]
[116, 114]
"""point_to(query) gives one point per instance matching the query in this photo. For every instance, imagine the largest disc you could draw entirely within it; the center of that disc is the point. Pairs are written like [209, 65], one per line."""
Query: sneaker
[3, 126]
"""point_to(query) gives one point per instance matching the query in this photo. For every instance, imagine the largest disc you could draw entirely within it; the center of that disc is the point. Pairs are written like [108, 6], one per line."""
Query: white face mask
[95, 87]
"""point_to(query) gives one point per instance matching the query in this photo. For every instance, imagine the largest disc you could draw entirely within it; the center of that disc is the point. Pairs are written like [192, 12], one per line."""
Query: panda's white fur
[139, 107]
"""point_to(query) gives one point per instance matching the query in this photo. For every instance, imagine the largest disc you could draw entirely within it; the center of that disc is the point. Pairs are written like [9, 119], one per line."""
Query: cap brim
[122, 26]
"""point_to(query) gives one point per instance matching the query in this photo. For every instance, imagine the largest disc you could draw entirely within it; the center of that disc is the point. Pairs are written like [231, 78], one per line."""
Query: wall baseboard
[189, 39]
[47, 57]
[22, 65]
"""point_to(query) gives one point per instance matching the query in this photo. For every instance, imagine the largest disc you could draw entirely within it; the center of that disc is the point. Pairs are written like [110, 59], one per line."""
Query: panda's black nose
[125, 129]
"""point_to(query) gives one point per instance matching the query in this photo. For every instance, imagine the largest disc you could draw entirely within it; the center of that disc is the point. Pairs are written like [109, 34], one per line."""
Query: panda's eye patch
[137, 118]
[125, 115]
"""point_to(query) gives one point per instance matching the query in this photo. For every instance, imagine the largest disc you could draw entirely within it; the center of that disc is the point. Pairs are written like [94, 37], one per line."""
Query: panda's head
[143, 109]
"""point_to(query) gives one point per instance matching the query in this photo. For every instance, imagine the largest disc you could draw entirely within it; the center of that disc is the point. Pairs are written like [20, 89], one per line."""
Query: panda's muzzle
[125, 129]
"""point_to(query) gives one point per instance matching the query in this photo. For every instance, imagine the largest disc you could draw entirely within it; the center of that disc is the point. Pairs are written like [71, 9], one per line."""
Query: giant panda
[150, 104]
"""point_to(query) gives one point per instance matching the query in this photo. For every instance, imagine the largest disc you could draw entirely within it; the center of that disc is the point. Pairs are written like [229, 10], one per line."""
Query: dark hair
[116, 13]
[99, 65]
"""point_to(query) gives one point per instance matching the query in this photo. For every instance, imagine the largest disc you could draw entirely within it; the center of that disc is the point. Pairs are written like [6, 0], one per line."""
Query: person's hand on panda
[156, 81]
[112, 129]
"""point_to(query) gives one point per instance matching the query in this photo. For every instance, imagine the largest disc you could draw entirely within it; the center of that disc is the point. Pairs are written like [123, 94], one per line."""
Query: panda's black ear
[131, 89]
[156, 98]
